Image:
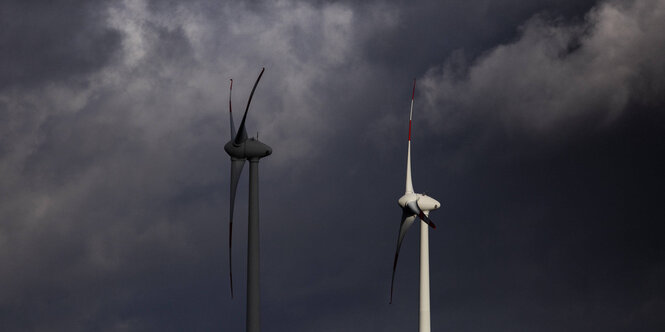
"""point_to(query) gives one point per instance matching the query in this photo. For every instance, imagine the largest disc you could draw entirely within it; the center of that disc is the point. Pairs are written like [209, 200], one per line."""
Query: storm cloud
[557, 73]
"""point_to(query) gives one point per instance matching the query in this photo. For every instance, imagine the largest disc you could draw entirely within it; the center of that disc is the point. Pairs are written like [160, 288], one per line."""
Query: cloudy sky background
[539, 125]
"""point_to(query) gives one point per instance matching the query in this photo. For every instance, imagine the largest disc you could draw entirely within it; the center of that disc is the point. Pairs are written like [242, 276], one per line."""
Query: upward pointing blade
[233, 127]
[409, 183]
[236, 169]
[407, 220]
[242, 132]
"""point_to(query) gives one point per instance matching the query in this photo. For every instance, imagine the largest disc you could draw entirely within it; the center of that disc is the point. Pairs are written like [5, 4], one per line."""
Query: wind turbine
[241, 148]
[414, 206]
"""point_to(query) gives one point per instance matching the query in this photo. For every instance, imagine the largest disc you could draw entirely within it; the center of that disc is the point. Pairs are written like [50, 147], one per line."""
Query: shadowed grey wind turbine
[241, 148]
[414, 206]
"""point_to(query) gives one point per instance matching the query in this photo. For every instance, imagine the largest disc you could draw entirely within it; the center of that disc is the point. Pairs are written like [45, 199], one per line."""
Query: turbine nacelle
[252, 148]
[424, 202]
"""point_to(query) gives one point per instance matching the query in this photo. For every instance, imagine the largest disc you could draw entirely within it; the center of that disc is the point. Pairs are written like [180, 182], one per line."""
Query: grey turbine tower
[418, 206]
[241, 148]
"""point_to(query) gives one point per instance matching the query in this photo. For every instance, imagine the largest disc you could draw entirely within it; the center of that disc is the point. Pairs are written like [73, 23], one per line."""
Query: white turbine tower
[414, 206]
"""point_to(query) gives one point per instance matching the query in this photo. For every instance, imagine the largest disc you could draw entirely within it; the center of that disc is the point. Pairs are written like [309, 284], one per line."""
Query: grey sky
[538, 125]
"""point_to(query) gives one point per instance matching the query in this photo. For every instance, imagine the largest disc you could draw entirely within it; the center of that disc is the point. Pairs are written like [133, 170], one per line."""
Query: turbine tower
[414, 206]
[241, 148]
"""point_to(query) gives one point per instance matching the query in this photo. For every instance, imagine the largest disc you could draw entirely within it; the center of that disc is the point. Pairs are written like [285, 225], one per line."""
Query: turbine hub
[425, 202]
[406, 198]
[252, 148]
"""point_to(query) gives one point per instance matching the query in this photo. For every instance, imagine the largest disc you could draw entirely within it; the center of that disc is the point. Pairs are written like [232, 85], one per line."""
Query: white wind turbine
[414, 206]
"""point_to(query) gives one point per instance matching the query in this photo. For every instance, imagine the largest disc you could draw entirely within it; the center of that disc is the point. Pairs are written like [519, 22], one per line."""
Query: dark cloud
[558, 73]
[538, 126]
[46, 42]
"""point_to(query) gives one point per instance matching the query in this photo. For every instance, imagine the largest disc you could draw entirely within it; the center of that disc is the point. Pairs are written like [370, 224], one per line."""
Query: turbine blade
[236, 170]
[424, 217]
[233, 127]
[407, 221]
[413, 207]
[242, 132]
[409, 183]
